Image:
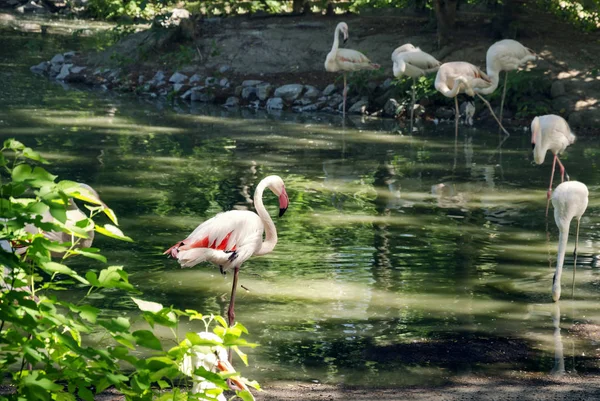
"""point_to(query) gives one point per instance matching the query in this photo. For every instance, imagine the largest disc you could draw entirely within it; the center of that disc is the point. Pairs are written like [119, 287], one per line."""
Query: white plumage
[413, 62]
[229, 239]
[462, 77]
[505, 55]
[570, 200]
[550, 132]
[346, 60]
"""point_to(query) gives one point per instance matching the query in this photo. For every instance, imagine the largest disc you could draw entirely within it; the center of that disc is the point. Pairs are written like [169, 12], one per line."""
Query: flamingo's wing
[226, 240]
[352, 60]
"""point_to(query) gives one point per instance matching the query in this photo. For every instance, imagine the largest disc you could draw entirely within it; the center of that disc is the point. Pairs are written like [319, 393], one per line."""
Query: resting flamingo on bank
[505, 55]
[346, 60]
[462, 77]
[230, 238]
[550, 132]
[570, 199]
[413, 62]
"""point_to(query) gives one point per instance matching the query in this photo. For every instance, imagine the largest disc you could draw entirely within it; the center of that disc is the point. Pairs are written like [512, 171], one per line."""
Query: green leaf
[163, 384]
[146, 338]
[62, 396]
[59, 212]
[34, 380]
[245, 395]
[242, 356]
[13, 144]
[33, 155]
[147, 306]
[111, 231]
[195, 339]
[91, 255]
[53, 267]
[21, 173]
[87, 312]
[111, 215]
[114, 277]
[85, 393]
[119, 324]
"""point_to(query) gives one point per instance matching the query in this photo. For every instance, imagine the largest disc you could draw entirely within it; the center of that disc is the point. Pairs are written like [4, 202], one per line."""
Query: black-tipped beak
[345, 39]
[533, 146]
[282, 211]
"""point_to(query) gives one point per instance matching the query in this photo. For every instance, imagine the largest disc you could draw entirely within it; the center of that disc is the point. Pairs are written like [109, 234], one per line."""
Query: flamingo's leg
[493, 114]
[575, 257]
[412, 108]
[503, 95]
[562, 170]
[550, 187]
[456, 115]
[345, 93]
[230, 311]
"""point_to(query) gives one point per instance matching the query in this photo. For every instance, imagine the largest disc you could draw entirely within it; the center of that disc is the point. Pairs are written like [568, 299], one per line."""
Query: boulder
[289, 92]
[158, 79]
[231, 102]
[64, 72]
[249, 93]
[41, 68]
[391, 108]
[275, 103]
[264, 91]
[200, 95]
[58, 59]
[178, 78]
[195, 79]
[359, 107]
[329, 90]
[251, 82]
[224, 83]
[224, 68]
[310, 92]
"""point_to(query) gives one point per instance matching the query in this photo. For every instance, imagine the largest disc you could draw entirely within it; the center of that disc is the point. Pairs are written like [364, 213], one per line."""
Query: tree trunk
[297, 6]
[445, 13]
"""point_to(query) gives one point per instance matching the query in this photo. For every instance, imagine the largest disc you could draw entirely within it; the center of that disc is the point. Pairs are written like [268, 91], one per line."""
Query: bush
[43, 337]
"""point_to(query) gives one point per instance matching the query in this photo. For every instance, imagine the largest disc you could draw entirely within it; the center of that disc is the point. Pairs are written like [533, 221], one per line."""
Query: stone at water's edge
[178, 78]
[329, 90]
[391, 108]
[275, 103]
[359, 107]
[64, 72]
[251, 82]
[289, 92]
[264, 91]
[232, 101]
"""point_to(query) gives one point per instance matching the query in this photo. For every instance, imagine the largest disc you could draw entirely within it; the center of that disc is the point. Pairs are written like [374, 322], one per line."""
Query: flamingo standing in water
[462, 77]
[505, 55]
[570, 199]
[346, 59]
[413, 62]
[230, 238]
[550, 132]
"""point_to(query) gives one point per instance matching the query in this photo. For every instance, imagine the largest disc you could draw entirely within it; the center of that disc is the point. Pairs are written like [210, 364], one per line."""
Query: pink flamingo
[505, 55]
[413, 62]
[550, 132]
[230, 238]
[346, 59]
[462, 77]
[570, 199]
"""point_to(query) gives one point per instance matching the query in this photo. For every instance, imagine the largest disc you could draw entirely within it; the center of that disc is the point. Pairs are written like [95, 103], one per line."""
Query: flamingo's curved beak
[284, 202]
[345, 37]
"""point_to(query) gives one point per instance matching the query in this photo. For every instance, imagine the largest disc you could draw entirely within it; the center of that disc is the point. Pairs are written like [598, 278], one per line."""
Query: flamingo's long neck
[563, 237]
[336, 39]
[495, 77]
[270, 232]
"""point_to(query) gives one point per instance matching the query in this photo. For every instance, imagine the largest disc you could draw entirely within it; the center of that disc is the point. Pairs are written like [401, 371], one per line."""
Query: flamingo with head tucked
[346, 60]
[505, 55]
[230, 238]
[462, 77]
[570, 199]
[413, 62]
[550, 132]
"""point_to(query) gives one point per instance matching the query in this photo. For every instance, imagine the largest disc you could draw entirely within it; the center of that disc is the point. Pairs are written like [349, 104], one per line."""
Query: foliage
[586, 18]
[362, 82]
[424, 89]
[54, 348]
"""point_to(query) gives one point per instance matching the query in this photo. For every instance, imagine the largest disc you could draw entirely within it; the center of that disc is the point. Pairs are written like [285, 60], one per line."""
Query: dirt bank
[215, 56]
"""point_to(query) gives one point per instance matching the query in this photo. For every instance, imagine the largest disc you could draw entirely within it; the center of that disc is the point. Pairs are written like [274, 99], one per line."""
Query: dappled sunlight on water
[401, 259]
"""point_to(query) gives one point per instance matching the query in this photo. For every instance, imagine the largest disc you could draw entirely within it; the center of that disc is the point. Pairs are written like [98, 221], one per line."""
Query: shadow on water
[402, 259]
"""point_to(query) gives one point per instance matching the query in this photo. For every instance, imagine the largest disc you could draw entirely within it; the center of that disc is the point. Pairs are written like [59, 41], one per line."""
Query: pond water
[401, 259]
